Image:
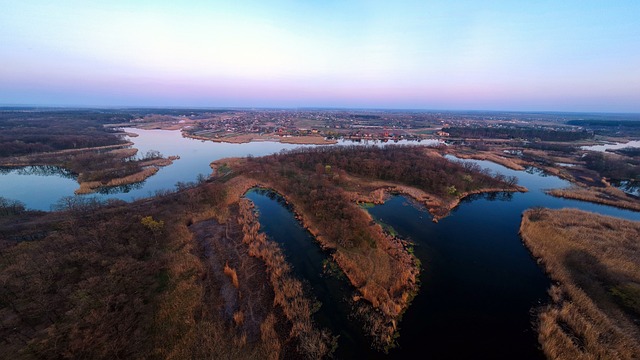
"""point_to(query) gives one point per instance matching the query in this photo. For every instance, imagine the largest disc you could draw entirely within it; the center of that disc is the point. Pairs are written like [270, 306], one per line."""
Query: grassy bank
[606, 196]
[593, 259]
[288, 291]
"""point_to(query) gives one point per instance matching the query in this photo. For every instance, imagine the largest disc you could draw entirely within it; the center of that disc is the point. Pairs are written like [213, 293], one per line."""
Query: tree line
[28, 132]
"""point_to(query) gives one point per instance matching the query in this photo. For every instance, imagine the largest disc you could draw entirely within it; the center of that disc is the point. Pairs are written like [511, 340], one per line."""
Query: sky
[569, 55]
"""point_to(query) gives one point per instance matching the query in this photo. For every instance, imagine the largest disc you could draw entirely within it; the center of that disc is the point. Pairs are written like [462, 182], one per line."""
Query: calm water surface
[479, 284]
[613, 146]
[40, 191]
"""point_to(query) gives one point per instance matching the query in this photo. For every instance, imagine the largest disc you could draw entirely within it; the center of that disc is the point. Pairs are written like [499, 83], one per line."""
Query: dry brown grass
[231, 273]
[270, 338]
[595, 308]
[237, 138]
[288, 293]
[238, 318]
[607, 196]
[124, 153]
[90, 186]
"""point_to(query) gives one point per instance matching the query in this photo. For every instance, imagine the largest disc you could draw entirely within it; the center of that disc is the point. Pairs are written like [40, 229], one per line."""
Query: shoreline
[390, 300]
[388, 308]
[513, 164]
[595, 196]
[248, 138]
[591, 259]
[149, 168]
[32, 159]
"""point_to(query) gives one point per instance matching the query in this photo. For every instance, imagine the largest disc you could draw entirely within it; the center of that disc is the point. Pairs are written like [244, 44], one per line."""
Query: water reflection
[40, 187]
[612, 146]
[38, 170]
[120, 189]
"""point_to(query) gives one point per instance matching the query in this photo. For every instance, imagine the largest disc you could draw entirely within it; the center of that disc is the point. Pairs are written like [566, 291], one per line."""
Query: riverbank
[607, 196]
[381, 269]
[288, 291]
[377, 192]
[44, 158]
[379, 266]
[511, 163]
[593, 259]
[247, 138]
[97, 167]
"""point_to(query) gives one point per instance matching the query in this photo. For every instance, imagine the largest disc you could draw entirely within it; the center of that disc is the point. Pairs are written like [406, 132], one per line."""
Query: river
[479, 284]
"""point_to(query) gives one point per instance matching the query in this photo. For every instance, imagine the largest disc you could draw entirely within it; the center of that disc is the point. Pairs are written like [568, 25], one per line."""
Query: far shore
[247, 138]
[29, 160]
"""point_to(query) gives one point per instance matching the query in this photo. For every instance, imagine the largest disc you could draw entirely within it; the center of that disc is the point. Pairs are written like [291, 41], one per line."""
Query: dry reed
[594, 260]
[607, 196]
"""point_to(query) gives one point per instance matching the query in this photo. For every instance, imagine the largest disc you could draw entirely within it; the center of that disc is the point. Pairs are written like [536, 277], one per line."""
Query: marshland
[349, 249]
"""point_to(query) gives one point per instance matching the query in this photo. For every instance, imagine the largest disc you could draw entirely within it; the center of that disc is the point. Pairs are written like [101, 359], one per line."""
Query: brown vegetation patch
[307, 140]
[91, 186]
[96, 168]
[511, 163]
[128, 281]
[594, 259]
[237, 138]
[288, 293]
[607, 196]
[52, 157]
[234, 283]
[324, 186]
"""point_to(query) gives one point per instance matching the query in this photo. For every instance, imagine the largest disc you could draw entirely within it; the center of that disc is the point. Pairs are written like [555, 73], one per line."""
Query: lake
[41, 189]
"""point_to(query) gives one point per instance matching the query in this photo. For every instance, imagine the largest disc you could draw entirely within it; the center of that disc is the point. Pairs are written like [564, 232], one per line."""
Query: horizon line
[335, 108]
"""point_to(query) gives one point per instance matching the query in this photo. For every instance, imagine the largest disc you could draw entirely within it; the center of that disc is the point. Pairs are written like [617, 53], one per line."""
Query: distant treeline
[518, 133]
[28, 132]
[629, 151]
[357, 116]
[605, 123]
[174, 112]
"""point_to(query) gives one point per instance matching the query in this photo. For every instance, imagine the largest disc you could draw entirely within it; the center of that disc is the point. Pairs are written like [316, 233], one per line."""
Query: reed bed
[593, 260]
[606, 196]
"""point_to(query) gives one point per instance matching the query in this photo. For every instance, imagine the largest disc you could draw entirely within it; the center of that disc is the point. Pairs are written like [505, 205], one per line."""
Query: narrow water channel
[310, 264]
[479, 284]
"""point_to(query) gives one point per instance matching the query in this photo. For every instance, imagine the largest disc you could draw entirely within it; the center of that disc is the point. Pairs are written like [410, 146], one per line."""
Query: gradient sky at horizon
[485, 55]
